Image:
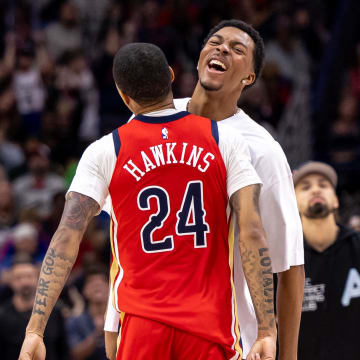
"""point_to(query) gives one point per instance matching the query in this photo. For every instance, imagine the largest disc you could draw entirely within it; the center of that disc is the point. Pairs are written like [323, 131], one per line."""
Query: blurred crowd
[57, 96]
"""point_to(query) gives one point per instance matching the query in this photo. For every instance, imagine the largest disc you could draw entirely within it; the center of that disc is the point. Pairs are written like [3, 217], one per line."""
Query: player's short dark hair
[259, 48]
[142, 72]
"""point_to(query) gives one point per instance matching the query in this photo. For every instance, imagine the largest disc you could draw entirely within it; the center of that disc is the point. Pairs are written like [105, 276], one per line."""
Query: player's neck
[167, 103]
[212, 104]
[320, 233]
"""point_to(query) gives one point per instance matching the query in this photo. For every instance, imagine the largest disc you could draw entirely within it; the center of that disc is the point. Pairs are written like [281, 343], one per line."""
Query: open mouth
[217, 66]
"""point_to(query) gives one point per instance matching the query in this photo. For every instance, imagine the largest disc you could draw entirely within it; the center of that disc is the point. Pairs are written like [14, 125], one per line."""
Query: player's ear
[172, 74]
[336, 202]
[249, 80]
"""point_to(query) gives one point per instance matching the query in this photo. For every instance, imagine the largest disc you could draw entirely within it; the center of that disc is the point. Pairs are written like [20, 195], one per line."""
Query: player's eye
[239, 50]
[213, 42]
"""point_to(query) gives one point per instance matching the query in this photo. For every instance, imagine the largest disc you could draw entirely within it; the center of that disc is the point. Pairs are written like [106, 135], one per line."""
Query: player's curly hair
[259, 48]
[142, 72]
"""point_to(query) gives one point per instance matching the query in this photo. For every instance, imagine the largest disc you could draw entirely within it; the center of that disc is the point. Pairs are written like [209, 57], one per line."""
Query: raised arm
[256, 264]
[58, 262]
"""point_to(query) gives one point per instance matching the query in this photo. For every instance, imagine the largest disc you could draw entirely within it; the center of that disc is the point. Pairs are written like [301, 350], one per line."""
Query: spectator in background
[287, 51]
[24, 239]
[112, 111]
[91, 14]
[29, 89]
[343, 142]
[290, 64]
[86, 332]
[15, 314]
[77, 80]
[331, 305]
[7, 206]
[11, 131]
[36, 188]
[65, 34]
[61, 126]
[345, 131]
[11, 154]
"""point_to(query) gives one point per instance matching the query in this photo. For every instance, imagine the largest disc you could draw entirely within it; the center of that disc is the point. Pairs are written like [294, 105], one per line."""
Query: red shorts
[147, 339]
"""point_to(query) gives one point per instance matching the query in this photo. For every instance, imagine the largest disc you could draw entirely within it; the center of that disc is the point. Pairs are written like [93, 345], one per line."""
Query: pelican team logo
[164, 133]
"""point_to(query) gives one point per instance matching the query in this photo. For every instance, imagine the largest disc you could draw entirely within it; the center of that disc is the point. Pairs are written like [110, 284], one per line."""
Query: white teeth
[217, 62]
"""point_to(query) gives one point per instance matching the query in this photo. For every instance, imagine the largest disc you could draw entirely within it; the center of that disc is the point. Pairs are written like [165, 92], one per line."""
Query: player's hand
[263, 349]
[33, 348]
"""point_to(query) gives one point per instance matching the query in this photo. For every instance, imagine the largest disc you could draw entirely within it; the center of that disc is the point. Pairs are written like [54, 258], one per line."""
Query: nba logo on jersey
[164, 133]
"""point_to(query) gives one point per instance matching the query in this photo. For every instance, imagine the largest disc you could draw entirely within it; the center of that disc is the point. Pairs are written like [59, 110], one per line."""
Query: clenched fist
[33, 348]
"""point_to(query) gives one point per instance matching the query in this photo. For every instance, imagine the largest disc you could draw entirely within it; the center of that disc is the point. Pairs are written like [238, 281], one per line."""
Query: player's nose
[223, 48]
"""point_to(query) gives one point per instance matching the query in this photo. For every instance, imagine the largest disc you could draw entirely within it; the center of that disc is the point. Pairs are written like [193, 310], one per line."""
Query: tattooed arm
[58, 262]
[257, 268]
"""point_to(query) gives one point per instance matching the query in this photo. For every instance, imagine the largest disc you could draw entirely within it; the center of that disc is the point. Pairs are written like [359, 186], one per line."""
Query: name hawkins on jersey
[159, 156]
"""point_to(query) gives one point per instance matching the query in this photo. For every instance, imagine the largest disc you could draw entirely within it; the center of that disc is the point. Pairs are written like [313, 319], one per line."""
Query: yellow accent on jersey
[119, 336]
[231, 261]
[114, 269]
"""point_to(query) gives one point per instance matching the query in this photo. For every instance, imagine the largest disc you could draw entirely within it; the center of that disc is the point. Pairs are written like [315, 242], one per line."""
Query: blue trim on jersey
[117, 142]
[215, 131]
[161, 119]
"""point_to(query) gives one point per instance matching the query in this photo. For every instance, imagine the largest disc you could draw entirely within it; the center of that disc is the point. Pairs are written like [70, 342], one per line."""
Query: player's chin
[211, 85]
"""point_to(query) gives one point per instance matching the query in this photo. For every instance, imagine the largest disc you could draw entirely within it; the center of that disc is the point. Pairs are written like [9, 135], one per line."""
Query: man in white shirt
[230, 60]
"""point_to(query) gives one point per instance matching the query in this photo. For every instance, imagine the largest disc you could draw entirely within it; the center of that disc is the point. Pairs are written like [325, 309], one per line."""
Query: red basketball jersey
[170, 227]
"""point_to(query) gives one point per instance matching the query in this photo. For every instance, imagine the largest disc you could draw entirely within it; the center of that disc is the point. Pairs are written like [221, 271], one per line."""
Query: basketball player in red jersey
[170, 175]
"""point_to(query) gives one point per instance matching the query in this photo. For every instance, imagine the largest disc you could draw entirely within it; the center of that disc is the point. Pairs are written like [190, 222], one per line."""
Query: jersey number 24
[192, 205]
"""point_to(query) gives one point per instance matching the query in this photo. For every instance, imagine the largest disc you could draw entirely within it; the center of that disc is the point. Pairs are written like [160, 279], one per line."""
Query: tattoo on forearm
[78, 210]
[54, 272]
[49, 261]
[262, 295]
[268, 284]
[62, 253]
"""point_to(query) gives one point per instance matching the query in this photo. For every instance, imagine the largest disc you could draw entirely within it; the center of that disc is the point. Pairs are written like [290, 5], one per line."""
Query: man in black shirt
[15, 314]
[331, 306]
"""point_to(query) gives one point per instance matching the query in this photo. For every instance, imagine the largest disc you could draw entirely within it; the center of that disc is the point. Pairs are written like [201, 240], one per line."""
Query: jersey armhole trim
[117, 142]
[215, 131]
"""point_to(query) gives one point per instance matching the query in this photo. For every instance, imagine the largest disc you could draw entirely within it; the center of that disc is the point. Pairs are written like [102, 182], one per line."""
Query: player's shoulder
[267, 156]
[101, 148]
[105, 141]
[249, 128]
[260, 141]
[229, 134]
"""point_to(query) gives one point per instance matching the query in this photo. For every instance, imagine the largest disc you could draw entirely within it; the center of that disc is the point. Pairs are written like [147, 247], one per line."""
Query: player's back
[170, 236]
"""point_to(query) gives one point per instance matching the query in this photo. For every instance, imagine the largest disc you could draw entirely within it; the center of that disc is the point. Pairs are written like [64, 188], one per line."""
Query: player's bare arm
[257, 268]
[58, 262]
[289, 303]
[111, 344]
